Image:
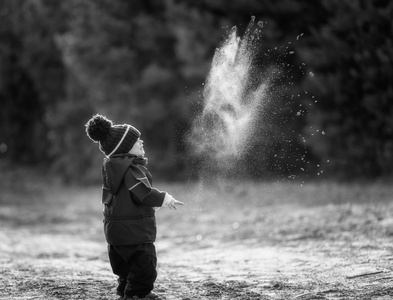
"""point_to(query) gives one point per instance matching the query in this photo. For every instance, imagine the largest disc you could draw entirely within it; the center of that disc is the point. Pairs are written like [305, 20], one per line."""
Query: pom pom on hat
[98, 127]
[113, 139]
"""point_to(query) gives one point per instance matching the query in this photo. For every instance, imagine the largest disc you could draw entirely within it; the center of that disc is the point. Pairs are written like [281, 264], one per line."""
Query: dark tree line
[144, 62]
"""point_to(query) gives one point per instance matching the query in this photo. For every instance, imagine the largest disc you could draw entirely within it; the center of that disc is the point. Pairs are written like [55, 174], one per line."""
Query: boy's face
[137, 149]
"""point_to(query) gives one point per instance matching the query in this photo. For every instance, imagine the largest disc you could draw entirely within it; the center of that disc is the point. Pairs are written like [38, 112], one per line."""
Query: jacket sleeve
[143, 195]
[155, 198]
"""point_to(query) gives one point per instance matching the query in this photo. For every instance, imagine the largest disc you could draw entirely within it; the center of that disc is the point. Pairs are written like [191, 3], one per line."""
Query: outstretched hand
[171, 202]
[172, 205]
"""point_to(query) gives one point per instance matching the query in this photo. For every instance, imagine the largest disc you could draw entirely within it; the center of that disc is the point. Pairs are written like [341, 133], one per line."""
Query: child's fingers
[172, 205]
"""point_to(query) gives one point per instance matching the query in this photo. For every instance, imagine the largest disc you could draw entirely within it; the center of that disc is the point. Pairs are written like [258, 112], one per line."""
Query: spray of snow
[233, 95]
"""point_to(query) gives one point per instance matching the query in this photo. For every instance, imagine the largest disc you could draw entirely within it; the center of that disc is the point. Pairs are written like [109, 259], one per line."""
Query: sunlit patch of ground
[230, 241]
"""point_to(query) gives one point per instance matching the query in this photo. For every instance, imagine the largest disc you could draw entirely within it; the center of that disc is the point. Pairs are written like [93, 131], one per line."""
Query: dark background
[144, 63]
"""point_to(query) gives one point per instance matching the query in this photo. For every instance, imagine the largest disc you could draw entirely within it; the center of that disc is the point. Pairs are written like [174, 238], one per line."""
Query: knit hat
[112, 139]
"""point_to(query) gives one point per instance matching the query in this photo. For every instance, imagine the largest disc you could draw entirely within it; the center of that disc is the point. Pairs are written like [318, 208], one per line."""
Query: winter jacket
[129, 201]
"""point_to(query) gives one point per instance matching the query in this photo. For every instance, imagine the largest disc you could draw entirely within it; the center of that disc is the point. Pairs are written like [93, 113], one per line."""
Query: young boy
[129, 207]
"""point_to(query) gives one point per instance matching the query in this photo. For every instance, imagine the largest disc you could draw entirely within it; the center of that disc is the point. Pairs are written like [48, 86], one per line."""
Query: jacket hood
[115, 169]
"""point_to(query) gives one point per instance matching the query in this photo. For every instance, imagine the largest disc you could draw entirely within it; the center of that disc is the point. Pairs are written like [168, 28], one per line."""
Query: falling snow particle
[297, 38]
[3, 148]
[311, 74]
[199, 237]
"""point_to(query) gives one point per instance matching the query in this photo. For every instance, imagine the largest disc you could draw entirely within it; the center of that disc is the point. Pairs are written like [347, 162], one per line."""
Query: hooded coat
[129, 201]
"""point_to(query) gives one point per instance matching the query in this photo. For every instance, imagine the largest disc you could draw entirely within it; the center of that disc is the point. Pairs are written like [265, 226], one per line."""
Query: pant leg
[143, 274]
[120, 268]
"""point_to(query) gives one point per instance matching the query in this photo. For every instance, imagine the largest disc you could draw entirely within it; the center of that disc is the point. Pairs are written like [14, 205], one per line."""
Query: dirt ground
[230, 241]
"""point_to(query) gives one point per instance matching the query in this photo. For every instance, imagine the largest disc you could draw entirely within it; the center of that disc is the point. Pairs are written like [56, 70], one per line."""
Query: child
[129, 207]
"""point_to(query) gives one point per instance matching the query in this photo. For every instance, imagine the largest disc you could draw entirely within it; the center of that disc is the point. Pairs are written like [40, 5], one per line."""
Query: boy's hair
[112, 139]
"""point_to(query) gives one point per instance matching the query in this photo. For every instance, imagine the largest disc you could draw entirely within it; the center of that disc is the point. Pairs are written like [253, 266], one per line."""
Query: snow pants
[136, 268]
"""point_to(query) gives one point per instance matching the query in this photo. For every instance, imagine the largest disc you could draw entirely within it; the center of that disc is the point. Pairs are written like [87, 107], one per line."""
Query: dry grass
[230, 241]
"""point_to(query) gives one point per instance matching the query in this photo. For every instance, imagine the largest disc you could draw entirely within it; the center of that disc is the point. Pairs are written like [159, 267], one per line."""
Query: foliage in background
[352, 54]
[32, 79]
[144, 62]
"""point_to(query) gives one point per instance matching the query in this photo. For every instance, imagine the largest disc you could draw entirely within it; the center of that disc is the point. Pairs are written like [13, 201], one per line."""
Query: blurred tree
[352, 55]
[31, 79]
[122, 54]
[144, 63]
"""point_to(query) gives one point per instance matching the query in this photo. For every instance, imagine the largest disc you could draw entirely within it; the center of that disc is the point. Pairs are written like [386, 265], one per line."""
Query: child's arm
[146, 196]
[171, 202]
[154, 195]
